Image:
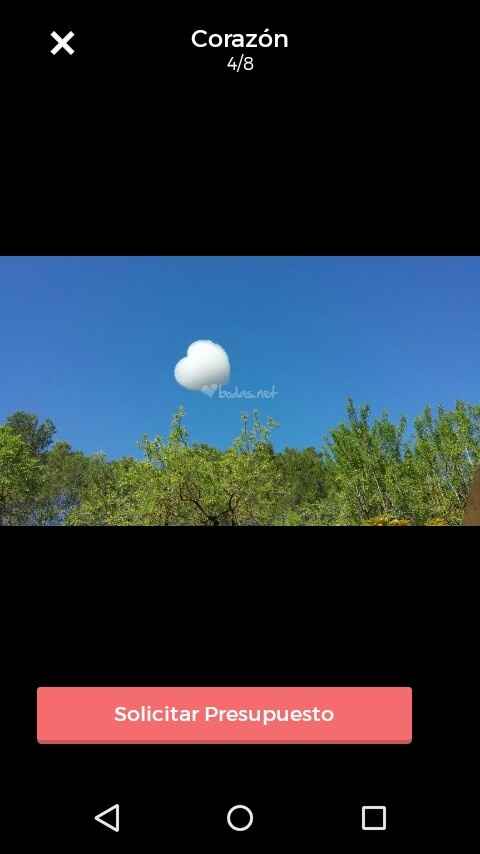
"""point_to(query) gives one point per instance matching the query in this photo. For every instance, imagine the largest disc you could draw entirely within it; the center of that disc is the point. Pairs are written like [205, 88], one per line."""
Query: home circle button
[239, 817]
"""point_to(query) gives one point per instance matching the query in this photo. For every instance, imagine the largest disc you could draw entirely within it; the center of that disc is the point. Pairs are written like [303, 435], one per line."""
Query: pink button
[224, 715]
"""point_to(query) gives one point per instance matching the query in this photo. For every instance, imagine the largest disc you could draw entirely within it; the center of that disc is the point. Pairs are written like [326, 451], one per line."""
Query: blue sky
[92, 342]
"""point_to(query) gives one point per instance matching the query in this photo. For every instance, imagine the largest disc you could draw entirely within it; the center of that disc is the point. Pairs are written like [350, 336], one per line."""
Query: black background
[194, 620]
[354, 139]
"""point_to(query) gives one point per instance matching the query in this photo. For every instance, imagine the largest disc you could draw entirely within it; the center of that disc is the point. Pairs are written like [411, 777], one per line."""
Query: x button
[62, 42]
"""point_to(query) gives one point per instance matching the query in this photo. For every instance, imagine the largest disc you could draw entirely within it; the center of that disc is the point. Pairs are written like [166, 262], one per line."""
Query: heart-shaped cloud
[205, 365]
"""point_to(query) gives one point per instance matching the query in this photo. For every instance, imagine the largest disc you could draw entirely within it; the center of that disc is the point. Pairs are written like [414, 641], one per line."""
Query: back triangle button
[114, 821]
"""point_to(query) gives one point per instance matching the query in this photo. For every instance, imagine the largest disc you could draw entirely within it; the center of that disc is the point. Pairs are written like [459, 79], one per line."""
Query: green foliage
[369, 472]
[37, 436]
[376, 472]
[65, 478]
[304, 475]
[443, 461]
[123, 492]
[206, 487]
[20, 478]
[63, 471]
[366, 466]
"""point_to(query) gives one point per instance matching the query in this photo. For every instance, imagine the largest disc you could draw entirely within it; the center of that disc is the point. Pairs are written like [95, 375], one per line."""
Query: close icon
[114, 823]
[62, 43]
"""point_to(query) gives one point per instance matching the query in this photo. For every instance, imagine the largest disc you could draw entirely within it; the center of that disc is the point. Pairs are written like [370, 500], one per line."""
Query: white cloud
[206, 366]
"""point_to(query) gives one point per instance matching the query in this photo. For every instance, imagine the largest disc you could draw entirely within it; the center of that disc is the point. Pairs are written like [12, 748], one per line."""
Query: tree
[123, 492]
[63, 471]
[443, 460]
[66, 474]
[366, 465]
[208, 487]
[381, 476]
[367, 473]
[304, 475]
[38, 436]
[20, 478]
